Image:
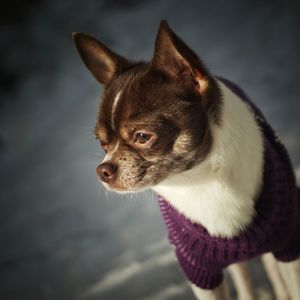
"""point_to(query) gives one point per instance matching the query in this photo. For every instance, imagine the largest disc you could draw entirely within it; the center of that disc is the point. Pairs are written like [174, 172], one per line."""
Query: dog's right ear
[176, 59]
[103, 63]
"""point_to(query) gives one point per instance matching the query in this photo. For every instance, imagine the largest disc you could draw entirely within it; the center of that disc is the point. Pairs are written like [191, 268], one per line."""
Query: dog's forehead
[116, 94]
[127, 95]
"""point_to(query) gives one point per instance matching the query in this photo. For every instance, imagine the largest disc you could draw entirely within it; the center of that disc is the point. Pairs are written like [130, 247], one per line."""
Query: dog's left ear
[174, 58]
[103, 63]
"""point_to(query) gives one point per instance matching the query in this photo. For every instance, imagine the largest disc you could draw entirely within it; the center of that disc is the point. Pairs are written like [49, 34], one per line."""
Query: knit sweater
[275, 227]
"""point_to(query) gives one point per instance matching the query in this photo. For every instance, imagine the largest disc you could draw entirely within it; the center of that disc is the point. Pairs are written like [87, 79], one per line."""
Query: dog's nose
[107, 171]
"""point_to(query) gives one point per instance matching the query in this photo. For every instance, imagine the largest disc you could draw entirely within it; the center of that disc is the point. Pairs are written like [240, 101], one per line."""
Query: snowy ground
[62, 237]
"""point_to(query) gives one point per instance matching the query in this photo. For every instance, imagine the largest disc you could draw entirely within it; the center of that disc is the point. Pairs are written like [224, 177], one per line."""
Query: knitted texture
[275, 227]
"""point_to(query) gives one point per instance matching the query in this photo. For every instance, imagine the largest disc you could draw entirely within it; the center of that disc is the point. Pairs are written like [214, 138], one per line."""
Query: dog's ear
[174, 58]
[103, 63]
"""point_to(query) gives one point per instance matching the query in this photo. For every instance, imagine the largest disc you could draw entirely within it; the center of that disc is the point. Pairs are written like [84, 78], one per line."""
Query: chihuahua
[171, 126]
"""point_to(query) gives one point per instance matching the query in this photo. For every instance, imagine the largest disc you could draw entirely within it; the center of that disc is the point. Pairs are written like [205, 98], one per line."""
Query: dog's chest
[210, 204]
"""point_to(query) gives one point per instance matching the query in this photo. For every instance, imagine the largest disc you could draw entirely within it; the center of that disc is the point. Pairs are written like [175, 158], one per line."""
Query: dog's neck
[220, 192]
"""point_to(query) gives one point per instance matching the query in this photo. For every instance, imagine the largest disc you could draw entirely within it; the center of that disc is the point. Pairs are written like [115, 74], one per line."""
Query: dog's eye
[142, 137]
[104, 146]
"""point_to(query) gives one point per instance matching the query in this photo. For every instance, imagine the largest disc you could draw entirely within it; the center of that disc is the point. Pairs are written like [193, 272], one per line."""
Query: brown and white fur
[169, 125]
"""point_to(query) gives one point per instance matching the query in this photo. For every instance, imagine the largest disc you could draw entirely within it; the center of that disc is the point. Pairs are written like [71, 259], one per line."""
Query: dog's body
[171, 126]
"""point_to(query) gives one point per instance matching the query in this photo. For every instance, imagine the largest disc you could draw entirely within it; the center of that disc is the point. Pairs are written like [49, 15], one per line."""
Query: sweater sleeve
[201, 277]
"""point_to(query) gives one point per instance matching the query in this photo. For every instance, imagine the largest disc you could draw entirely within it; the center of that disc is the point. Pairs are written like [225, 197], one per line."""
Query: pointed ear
[99, 59]
[174, 58]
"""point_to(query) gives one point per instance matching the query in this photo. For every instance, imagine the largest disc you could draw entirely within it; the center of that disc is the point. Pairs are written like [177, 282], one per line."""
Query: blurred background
[62, 236]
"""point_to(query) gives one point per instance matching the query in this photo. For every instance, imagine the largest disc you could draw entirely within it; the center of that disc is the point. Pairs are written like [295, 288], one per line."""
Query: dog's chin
[123, 189]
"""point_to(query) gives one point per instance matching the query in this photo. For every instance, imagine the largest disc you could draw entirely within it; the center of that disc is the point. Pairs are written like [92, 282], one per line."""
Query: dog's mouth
[122, 189]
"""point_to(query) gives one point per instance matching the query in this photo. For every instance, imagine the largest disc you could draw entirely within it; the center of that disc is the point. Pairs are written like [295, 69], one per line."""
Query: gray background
[61, 235]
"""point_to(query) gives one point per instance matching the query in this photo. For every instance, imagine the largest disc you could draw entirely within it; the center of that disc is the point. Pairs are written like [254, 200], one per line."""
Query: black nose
[107, 171]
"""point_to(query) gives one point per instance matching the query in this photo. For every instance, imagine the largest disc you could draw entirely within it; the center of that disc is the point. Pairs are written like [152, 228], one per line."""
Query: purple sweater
[275, 227]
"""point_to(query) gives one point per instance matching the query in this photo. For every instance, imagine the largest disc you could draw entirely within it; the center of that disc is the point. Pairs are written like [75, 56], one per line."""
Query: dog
[226, 187]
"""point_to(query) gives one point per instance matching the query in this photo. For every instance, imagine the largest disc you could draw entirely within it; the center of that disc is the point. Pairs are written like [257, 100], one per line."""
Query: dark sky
[62, 236]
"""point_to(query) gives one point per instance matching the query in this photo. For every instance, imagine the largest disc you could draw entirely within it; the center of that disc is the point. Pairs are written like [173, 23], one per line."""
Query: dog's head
[154, 118]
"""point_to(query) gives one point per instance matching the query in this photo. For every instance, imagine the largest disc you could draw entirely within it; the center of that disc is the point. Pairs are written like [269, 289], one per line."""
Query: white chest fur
[220, 192]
